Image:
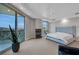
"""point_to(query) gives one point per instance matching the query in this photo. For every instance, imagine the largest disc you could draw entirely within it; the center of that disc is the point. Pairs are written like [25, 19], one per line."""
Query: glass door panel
[21, 31]
[7, 17]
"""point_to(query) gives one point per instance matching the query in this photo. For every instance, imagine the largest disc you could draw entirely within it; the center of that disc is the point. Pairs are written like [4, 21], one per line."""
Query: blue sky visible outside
[6, 20]
[45, 24]
[21, 22]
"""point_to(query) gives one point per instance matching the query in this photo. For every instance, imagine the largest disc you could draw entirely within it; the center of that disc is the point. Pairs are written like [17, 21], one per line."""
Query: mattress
[63, 38]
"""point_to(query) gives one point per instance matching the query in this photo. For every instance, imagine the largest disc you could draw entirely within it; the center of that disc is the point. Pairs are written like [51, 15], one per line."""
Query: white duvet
[60, 37]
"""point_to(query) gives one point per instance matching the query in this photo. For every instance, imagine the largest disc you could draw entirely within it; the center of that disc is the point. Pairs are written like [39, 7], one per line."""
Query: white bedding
[63, 38]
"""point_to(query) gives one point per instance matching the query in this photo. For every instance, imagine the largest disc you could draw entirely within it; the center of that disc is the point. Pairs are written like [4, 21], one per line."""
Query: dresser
[38, 33]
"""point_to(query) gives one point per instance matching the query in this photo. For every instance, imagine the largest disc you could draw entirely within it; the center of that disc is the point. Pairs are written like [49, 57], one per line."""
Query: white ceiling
[49, 10]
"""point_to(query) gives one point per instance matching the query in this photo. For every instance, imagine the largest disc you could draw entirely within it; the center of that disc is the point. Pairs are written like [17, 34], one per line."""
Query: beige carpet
[36, 47]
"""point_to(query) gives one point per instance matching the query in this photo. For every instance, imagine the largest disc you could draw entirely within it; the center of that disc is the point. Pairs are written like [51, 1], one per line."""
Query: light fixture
[8, 10]
[21, 7]
[64, 21]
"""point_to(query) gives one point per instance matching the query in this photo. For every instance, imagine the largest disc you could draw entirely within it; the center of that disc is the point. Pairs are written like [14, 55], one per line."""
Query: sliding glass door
[9, 17]
[20, 25]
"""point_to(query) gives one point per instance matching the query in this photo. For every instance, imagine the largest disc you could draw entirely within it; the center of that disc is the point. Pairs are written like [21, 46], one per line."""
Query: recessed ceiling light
[64, 21]
[21, 7]
[8, 10]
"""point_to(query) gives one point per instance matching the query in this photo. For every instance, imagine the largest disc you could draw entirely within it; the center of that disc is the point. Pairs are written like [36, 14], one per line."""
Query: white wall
[51, 27]
[38, 24]
[32, 32]
[29, 28]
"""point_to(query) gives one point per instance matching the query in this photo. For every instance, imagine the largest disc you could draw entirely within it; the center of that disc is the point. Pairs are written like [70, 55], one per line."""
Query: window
[20, 25]
[45, 26]
[8, 17]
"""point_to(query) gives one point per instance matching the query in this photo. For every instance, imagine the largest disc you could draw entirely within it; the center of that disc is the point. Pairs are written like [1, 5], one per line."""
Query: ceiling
[49, 10]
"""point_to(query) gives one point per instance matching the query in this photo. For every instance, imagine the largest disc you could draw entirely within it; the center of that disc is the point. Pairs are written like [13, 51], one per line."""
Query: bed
[63, 35]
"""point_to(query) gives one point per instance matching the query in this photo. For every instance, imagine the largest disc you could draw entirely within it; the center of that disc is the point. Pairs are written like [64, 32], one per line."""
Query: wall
[38, 24]
[51, 27]
[32, 28]
[29, 28]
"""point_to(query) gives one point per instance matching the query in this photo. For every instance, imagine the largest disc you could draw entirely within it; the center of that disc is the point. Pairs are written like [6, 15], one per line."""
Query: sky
[6, 20]
[45, 24]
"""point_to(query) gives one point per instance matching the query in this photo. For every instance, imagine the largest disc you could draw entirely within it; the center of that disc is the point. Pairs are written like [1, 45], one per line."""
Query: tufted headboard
[67, 29]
